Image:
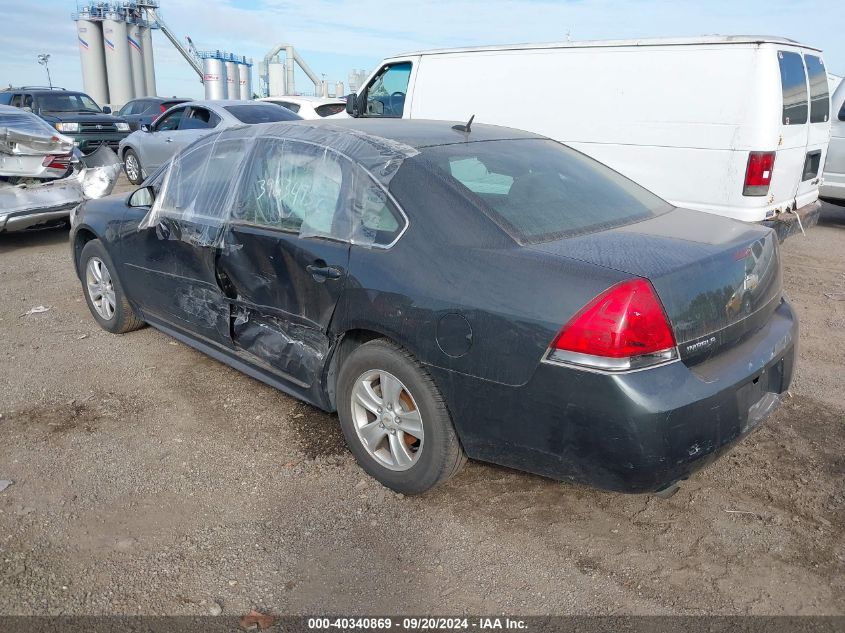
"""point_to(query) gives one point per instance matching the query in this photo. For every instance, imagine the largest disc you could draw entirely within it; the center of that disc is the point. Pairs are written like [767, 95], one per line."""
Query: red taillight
[758, 173]
[56, 162]
[163, 107]
[625, 327]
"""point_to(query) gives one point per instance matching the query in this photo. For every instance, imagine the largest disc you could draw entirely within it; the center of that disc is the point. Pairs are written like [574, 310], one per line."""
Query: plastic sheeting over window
[313, 180]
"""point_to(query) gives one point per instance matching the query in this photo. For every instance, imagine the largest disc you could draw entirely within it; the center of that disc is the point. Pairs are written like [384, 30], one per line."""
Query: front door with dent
[170, 265]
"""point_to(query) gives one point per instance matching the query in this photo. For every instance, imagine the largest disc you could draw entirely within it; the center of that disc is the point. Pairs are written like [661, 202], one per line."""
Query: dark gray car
[145, 111]
[488, 293]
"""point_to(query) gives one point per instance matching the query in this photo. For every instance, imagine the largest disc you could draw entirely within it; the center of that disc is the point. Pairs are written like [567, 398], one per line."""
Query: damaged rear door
[285, 256]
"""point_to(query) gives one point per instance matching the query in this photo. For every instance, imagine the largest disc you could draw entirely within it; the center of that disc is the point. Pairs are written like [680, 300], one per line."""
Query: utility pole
[43, 58]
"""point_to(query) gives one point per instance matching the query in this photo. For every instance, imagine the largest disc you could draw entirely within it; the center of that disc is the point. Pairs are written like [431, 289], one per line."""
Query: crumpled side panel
[23, 133]
[90, 182]
[297, 350]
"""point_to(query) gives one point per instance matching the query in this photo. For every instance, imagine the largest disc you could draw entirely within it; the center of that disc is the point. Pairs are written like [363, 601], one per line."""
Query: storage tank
[233, 90]
[149, 61]
[136, 58]
[118, 64]
[276, 79]
[93, 59]
[245, 81]
[214, 77]
[338, 89]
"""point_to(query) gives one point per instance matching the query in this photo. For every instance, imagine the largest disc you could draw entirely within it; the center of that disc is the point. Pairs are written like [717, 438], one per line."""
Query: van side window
[386, 95]
[819, 91]
[793, 82]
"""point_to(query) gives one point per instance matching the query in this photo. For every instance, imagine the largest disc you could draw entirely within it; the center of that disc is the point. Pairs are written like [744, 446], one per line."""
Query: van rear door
[794, 129]
[818, 134]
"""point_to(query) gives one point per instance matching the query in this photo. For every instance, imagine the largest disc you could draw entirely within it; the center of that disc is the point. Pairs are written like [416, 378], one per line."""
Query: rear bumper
[633, 432]
[23, 220]
[788, 224]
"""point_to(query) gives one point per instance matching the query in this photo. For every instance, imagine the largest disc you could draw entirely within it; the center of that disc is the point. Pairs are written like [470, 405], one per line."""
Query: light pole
[43, 58]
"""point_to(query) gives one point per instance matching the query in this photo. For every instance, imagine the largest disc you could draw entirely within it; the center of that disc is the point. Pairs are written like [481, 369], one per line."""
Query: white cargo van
[736, 126]
[833, 186]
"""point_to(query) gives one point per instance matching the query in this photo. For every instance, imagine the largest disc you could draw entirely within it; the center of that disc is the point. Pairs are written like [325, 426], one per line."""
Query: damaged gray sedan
[43, 176]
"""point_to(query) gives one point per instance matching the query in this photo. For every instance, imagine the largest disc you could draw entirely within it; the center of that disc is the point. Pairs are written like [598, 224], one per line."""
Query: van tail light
[623, 328]
[56, 162]
[758, 173]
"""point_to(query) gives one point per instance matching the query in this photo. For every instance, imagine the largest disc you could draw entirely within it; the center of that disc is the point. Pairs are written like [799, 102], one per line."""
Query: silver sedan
[143, 151]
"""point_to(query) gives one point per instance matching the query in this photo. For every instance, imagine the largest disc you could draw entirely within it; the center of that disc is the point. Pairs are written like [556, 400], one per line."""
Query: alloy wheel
[387, 420]
[100, 288]
[133, 169]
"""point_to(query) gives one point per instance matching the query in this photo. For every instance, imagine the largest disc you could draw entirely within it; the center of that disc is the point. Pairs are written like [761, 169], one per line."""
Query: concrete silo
[214, 77]
[149, 61]
[136, 58]
[276, 79]
[338, 89]
[245, 83]
[118, 64]
[92, 56]
[233, 90]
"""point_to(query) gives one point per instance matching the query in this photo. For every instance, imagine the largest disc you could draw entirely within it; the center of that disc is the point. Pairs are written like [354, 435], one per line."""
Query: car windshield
[539, 190]
[64, 102]
[261, 113]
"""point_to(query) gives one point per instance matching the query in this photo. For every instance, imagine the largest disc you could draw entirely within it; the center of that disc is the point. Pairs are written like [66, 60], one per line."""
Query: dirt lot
[151, 479]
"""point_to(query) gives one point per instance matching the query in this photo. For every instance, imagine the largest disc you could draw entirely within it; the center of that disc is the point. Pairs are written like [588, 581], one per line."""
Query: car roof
[419, 133]
[304, 99]
[648, 41]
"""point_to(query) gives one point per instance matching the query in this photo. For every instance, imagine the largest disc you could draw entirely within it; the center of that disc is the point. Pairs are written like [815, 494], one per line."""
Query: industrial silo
[338, 89]
[233, 90]
[149, 61]
[214, 77]
[245, 83]
[136, 57]
[276, 79]
[118, 64]
[92, 56]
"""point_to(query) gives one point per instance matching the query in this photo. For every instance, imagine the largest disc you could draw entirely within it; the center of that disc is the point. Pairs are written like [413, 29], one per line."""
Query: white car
[834, 168]
[310, 107]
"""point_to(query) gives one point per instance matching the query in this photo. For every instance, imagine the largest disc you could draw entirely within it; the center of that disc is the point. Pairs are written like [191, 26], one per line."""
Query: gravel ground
[150, 479]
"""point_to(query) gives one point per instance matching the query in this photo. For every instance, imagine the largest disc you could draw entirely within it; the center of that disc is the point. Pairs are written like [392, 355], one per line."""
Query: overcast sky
[335, 36]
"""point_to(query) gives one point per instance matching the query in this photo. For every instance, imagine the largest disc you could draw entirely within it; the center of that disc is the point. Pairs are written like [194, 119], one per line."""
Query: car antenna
[467, 128]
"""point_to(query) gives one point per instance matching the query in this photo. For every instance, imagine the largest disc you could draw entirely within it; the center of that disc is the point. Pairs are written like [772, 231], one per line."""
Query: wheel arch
[81, 237]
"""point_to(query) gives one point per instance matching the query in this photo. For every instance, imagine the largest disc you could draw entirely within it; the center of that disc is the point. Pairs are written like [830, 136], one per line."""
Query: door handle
[320, 271]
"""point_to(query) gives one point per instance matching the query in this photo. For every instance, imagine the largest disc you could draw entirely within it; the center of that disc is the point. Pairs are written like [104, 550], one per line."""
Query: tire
[132, 167]
[105, 291]
[417, 464]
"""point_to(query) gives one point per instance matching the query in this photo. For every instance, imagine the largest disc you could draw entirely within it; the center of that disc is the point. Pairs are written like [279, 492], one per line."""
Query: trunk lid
[718, 279]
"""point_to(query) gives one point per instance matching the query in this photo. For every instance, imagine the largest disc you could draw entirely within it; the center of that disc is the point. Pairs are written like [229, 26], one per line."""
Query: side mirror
[106, 110]
[145, 127]
[352, 104]
[143, 197]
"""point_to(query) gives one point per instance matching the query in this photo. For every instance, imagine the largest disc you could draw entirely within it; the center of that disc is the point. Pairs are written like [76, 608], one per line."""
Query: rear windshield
[539, 190]
[261, 113]
[819, 90]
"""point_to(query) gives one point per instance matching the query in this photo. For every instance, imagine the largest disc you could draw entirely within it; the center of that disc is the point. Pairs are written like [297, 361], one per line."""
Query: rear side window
[819, 90]
[793, 83]
[538, 190]
[328, 109]
[261, 113]
[293, 107]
